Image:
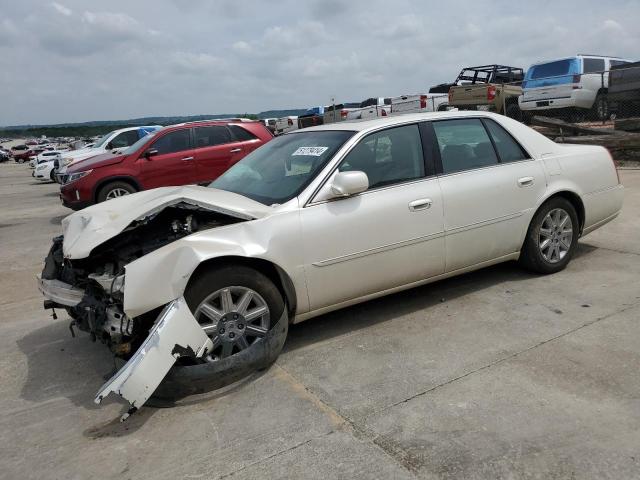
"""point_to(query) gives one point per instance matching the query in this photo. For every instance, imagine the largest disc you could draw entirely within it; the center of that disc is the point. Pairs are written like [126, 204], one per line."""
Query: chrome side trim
[60, 292]
[484, 223]
[405, 243]
[373, 251]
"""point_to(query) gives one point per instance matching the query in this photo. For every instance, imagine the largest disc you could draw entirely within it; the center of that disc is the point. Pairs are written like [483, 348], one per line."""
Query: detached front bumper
[176, 333]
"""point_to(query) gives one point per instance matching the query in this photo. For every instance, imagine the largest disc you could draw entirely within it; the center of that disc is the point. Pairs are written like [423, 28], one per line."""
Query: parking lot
[494, 374]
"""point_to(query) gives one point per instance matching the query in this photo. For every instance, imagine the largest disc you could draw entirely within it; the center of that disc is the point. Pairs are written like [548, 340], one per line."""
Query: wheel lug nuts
[221, 331]
[235, 316]
[232, 335]
[240, 326]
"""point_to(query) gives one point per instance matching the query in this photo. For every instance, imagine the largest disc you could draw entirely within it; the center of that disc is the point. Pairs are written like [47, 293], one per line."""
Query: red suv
[188, 153]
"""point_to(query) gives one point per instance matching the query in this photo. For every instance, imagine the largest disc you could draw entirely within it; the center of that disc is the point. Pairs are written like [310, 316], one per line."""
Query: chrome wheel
[556, 235]
[116, 192]
[234, 318]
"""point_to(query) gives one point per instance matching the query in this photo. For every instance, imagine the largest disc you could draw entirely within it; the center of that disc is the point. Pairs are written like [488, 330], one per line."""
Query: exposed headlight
[72, 177]
[118, 284]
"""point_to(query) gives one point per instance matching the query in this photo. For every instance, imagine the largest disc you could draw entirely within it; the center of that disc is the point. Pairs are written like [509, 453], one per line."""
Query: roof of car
[362, 125]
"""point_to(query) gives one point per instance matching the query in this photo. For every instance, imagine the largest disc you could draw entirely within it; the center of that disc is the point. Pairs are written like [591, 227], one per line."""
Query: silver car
[196, 286]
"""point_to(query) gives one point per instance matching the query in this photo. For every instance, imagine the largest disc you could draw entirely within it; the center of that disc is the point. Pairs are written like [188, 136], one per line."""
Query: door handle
[186, 159]
[420, 204]
[235, 150]
[525, 181]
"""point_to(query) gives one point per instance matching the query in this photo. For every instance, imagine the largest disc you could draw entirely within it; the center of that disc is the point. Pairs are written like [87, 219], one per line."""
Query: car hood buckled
[88, 228]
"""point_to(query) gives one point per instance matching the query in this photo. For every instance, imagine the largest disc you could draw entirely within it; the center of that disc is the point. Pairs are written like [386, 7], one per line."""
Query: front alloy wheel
[235, 318]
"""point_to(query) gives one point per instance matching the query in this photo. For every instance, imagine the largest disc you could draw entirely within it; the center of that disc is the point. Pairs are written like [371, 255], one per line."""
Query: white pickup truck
[424, 102]
[286, 124]
[371, 108]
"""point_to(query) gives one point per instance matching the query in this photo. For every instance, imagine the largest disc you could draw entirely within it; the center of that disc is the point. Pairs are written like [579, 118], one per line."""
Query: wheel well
[273, 272]
[576, 201]
[108, 180]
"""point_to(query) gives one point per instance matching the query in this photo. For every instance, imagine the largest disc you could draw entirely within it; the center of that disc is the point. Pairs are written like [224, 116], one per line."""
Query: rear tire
[115, 189]
[600, 109]
[552, 237]
[513, 111]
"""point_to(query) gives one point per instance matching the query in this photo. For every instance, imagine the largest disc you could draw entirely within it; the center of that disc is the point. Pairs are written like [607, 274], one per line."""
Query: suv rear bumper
[577, 99]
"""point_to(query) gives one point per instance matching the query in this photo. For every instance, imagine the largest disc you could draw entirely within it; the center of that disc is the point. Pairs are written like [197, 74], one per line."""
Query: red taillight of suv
[290, 121]
[450, 95]
[343, 114]
[423, 101]
[576, 79]
[491, 93]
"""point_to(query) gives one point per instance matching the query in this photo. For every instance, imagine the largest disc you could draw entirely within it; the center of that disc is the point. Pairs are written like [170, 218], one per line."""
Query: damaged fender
[176, 333]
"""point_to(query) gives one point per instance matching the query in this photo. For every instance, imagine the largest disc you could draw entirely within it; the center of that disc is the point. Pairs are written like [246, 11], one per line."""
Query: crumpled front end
[92, 291]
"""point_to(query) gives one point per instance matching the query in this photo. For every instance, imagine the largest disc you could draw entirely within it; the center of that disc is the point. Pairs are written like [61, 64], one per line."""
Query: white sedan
[205, 281]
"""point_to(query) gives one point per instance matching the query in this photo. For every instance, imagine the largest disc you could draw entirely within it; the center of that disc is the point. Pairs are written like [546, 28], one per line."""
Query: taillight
[575, 79]
[343, 113]
[491, 92]
[290, 121]
[384, 113]
[450, 94]
[423, 101]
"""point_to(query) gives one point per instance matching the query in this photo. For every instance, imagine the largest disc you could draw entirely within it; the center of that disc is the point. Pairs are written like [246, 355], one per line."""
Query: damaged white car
[196, 286]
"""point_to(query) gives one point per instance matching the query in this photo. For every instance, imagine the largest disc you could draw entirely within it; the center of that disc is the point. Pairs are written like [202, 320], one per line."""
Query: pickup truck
[338, 112]
[624, 89]
[286, 124]
[422, 102]
[371, 108]
[488, 87]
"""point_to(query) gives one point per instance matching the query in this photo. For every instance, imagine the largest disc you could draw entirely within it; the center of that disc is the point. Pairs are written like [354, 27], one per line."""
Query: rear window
[551, 69]
[592, 65]
[617, 63]
[241, 134]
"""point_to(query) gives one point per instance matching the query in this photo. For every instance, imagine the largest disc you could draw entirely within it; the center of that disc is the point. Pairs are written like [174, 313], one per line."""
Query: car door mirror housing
[150, 153]
[345, 184]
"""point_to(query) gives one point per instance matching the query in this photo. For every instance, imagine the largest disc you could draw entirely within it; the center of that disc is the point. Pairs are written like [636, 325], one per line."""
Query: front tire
[239, 360]
[552, 237]
[114, 190]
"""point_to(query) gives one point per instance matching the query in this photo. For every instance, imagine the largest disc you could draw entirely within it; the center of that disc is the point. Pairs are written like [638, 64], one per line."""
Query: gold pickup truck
[489, 87]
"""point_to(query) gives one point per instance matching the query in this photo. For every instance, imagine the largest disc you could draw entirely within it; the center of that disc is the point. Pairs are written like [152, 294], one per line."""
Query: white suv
[115, 141]
[577, 84]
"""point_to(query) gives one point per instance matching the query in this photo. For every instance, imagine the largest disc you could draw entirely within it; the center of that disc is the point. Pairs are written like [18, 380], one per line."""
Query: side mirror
[150, 153]
[346, 184]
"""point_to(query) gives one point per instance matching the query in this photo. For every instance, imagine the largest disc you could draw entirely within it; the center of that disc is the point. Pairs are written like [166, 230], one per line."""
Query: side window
[211, 136]
[387, 157]
[593, 65]
[617, 63]
[125, 139]
[172, 142]
[508, 149]
[464, 145]
[241, 134]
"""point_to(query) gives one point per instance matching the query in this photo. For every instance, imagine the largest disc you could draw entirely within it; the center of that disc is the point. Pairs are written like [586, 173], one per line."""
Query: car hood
[88, 228]
[82, 152]
[100, 160]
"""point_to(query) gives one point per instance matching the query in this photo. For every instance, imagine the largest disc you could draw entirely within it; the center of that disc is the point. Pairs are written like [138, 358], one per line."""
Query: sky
[80, 60]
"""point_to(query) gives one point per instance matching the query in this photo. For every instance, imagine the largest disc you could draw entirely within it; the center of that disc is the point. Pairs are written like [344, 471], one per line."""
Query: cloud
[61, 9]
[75, 60]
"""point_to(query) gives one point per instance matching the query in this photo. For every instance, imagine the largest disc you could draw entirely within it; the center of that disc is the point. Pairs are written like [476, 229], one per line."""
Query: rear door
[489, 186]
[172, 163]
[216, 150]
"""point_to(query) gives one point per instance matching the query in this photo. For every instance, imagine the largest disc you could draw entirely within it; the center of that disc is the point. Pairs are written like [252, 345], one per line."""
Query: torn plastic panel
[175, 334]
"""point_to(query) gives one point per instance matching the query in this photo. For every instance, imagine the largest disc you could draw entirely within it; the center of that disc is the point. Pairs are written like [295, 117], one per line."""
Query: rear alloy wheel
[552, 237]
[115, 190]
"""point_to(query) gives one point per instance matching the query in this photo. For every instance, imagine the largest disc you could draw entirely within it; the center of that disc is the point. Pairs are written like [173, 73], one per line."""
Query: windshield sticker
[310, 151]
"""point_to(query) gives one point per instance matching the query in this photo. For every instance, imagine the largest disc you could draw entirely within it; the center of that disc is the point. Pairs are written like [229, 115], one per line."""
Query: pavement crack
[394, 452]
[504, 359]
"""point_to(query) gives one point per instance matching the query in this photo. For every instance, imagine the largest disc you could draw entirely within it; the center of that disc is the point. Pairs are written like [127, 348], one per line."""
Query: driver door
[388, 236]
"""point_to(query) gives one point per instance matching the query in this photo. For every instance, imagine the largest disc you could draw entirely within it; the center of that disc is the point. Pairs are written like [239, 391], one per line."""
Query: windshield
[283, 167]
[102, 140]
[133, 148]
